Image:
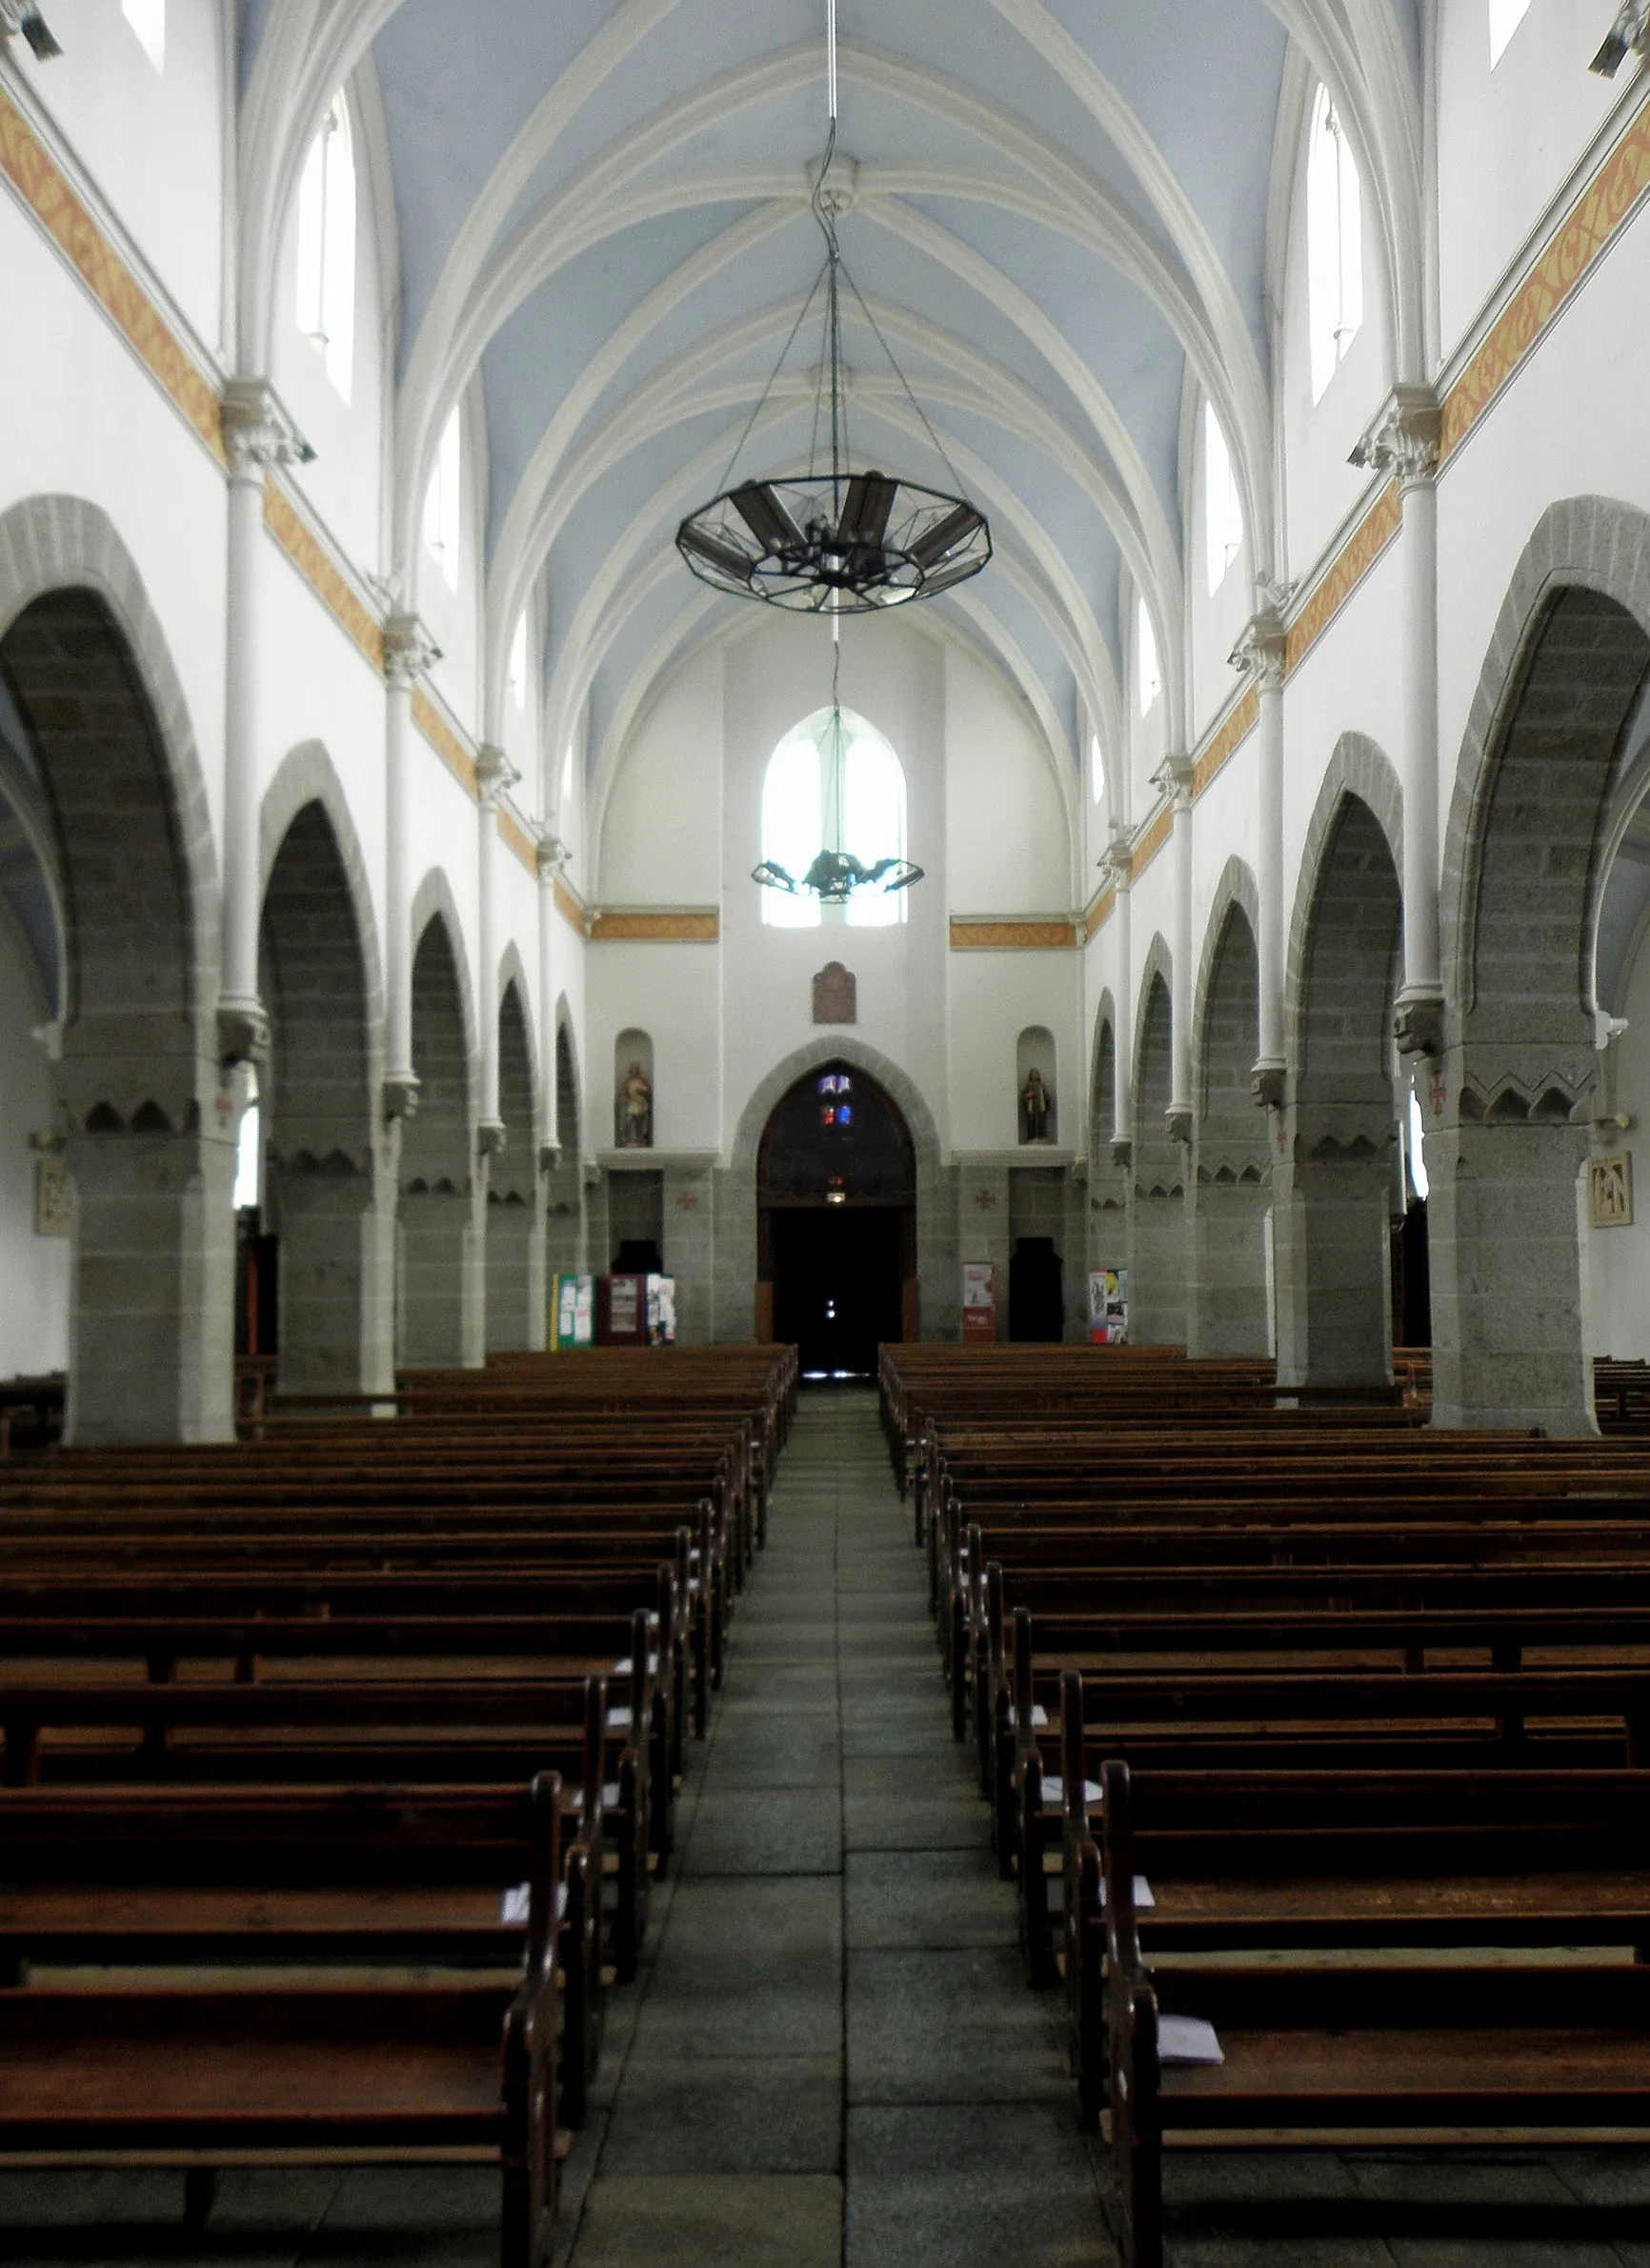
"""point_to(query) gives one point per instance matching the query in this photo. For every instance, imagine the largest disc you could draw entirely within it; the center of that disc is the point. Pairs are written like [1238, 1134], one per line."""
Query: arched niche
[1037, 1122]
[632, 1090]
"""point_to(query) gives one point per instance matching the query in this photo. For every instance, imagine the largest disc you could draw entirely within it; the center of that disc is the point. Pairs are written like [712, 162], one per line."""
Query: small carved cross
[687, 1202]
[1436, 1094]
[985, 1198]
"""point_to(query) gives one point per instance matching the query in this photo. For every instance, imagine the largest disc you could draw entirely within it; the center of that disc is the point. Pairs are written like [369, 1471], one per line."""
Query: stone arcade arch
[514, 1226]
[1507, 1113]
[329, 1182]
[148, 1122]
[938, 1272]
[1158, 1176]
[564, 1205]
[443, 1189]
[1229, 1187]
[1335, 1178]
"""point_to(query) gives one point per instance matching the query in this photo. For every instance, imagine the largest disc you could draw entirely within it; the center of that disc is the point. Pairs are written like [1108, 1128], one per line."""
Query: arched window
[831, 789]
[1334, 243]
[518, 663]
[327, 245]
[1223, 506]
[564, 789]
[443, 518]
[148, 19]
[1505, 18]
[1097, 768]
[1148, 670]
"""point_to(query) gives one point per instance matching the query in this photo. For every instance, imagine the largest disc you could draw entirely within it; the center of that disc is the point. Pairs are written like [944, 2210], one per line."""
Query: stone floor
[831, 2057]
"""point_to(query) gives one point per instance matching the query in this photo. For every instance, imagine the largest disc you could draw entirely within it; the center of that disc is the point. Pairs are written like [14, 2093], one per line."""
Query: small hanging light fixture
[841, 542]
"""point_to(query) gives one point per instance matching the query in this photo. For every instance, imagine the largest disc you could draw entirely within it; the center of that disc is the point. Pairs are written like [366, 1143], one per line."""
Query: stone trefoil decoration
[634, 1110]
[835, 996]
[1036, 1105]
[839, 541]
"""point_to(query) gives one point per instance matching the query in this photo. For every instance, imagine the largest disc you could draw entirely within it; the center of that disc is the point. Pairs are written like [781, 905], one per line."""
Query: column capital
[409, 650]
[553, 857]
[1260, 650]
[494, 774]
[258, 430]
[1118, 857]
[490, 1138]
[1417, 1022]
[1174, 776]
[1403, 440]
[400, 1097]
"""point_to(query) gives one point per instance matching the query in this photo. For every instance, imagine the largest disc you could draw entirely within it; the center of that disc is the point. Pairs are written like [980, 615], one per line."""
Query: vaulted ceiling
[1059, 205]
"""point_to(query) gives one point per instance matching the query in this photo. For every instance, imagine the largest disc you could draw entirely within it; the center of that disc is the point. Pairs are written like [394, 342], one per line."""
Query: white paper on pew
[622, 1669]
[515, 1903]
[618, 1719]
[1144, 1899]
[1187, 2039]
[1054, 1789]
[1039, 1716]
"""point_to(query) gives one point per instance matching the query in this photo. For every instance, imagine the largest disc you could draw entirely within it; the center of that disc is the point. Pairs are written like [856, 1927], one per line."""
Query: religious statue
[635, 1111]
[1035, 1107]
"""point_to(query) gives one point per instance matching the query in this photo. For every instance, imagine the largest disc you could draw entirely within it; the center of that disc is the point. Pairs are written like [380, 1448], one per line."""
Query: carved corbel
[1268, 1085]
[1177, 1123]
[495, 775]
[243, 1033]
[409, 652]
[1417, 1024]
[491, 1137]
[1261, 653]
[400, 1099]
[259, 432]
[1403, 440]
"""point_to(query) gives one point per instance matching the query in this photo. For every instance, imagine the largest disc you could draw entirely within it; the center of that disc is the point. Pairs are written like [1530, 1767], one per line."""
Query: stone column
[1261, 651]
[409, 652]
[1177, 779]
[1119, 858]
[1332, 1205]
[150, 1322]
[1404, 442]
[258, 436]
[983, 1227]
[689, 1248]
[495, 775]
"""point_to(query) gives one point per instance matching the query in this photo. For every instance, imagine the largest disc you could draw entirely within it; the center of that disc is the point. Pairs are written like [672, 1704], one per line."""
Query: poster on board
[978, 1303]
[1109, 1307]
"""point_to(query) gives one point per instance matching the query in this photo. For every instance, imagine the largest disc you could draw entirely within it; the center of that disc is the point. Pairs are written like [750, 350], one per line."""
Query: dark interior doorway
[1037, 1308]
[837, 1207]
[837, 1286]
[1411, 1279]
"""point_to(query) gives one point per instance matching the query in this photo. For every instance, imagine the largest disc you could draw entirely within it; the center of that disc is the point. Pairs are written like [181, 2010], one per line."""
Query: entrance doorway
[836, 1209]
[836, 1287]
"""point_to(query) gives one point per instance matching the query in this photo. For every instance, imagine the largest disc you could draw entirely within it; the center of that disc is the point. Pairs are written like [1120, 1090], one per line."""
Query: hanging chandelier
[836, 542]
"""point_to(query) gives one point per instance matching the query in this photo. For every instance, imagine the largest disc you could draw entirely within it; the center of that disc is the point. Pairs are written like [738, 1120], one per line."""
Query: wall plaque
[1610, 1191]
[835, 996]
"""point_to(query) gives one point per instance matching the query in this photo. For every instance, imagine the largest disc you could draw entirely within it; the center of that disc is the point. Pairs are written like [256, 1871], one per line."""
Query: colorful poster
[1109, 1307]
[662, 1310]
[978, 1303]
[572, 1312]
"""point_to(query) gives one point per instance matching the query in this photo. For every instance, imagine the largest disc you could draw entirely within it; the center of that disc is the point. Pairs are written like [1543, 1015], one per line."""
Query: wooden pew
[305, 2070]
[1350, 2054]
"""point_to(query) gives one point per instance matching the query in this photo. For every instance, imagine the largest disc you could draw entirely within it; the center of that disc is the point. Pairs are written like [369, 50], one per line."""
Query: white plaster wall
[345, 481]
[33, 1270]
[671, 993]
[150, 142]
[1320, 486]
[994, 996]
[1216, 622]
[661, 830]
[87, 420]
[1509, 138]
[1007, 836]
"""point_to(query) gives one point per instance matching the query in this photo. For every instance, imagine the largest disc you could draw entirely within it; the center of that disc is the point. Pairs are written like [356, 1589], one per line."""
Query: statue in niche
[1035, 1107]
[634, 1113]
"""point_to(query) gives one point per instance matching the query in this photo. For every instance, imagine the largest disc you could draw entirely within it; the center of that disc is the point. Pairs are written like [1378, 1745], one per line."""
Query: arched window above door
[841, 789]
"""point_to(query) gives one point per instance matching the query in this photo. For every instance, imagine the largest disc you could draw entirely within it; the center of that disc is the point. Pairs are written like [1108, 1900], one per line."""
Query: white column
[408, 653]
[1261, 651]
[551, 858]
[258, 435]
[1178, 773]
[1120, 856]
[1404, 442]
[494, 772]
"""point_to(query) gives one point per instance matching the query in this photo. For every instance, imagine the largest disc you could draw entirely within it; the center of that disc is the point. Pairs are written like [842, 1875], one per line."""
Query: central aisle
[834, 2056]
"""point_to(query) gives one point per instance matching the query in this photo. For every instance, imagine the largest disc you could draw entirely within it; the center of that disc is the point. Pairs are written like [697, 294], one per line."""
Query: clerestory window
[327, 247]
[832, 788]
[1505, 18]
[1148, 670]
[1334, 243]
[148, 20]
[443, 500]
[1223, 506]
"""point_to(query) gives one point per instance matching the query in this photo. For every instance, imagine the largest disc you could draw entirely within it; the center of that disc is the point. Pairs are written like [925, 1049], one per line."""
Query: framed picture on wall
[1610, 1191]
